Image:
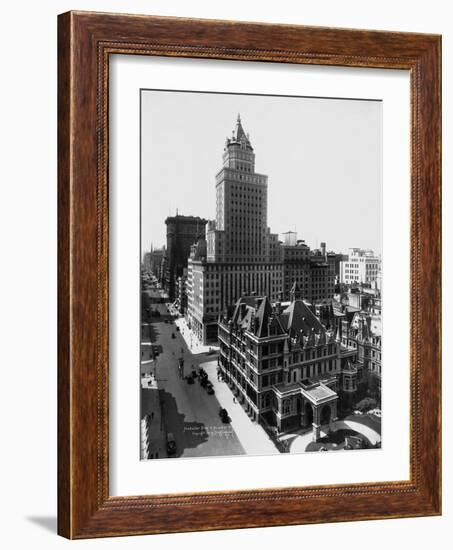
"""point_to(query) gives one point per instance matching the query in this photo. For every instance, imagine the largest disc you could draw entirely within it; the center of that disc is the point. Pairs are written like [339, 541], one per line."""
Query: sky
[323, 159]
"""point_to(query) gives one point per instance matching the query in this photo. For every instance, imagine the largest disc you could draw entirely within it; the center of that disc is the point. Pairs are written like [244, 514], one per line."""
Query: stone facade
[281, 362]
[363, 334]
[239, 234]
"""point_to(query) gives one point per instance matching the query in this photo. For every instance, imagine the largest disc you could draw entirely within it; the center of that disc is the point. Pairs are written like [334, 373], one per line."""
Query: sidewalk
[192, 342]
[251, 435]
[152, 431]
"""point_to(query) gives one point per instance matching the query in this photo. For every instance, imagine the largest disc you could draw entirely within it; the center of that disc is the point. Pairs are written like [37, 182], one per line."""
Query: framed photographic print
[249, 261]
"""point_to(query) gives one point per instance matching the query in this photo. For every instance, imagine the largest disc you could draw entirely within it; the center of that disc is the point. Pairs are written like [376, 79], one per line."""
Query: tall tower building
[240, 256]
[239, 232]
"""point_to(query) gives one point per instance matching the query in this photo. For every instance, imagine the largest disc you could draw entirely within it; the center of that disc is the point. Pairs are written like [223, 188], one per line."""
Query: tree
[366, 404]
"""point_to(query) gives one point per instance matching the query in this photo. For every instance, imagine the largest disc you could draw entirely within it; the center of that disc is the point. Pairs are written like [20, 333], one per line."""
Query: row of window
[238, 176]
[243, 167]
[311, 371]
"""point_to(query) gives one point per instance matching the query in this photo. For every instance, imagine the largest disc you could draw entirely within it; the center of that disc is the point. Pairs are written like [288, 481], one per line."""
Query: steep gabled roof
[265, 320]
[262, 317]
[298, 319]
[244, 311]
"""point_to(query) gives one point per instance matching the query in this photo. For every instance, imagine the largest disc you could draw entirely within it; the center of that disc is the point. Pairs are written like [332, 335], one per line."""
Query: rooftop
[257, 315]
[319, 394]
[185, 219]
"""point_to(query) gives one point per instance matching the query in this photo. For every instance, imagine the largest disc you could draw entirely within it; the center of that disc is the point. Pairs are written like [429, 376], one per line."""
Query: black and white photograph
[261, 274]
[204, 206]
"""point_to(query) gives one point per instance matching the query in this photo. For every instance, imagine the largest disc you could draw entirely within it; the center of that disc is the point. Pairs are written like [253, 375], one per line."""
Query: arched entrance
[308, 414]
[325, 415]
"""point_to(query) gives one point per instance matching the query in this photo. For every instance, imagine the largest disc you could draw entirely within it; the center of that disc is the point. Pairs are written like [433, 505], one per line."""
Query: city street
[187, 410]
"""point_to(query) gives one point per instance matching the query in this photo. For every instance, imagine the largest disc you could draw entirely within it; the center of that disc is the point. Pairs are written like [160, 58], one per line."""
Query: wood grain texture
[86, 40]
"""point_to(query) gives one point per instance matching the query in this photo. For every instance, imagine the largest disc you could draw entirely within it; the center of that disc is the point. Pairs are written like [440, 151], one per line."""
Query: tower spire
[240, 134]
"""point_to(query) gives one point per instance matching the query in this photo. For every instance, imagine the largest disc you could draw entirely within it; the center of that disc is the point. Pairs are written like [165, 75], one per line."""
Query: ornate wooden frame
[85, 41]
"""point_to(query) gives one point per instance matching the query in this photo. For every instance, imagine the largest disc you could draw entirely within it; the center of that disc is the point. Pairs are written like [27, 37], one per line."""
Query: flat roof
[320, 394]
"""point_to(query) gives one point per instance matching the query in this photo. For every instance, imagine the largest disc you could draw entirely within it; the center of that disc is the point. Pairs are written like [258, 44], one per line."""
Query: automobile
[173, 335]
[209, 388]
[171, 444]
[177, 328]
[166, 321]
[202, 373]
[189, 379]
[358, 413]
[224, 417]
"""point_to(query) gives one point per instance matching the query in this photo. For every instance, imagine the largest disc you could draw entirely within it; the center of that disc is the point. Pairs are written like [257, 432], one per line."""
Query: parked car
[209, 388]
[223, 413]
[171, 444]
[173, 335]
